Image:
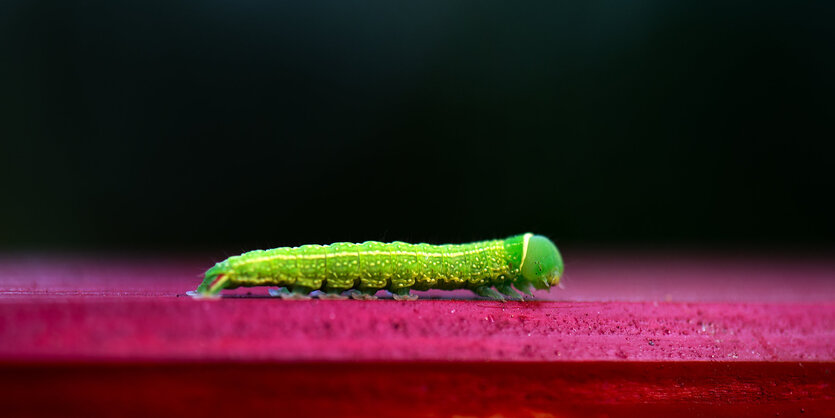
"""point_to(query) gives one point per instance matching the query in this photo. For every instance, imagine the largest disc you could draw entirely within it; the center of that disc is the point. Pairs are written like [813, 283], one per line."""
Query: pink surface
[265, 329]
[634, 307]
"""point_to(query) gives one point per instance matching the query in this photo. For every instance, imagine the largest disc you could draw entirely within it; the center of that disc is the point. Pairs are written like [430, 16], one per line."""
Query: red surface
[646, 333]
[596, 389]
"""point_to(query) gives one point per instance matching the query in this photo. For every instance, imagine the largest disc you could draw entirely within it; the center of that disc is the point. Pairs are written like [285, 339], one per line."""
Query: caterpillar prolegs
[489, 268]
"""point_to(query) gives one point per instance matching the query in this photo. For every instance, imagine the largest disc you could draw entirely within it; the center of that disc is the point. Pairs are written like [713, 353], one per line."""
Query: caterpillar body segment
[489, 268]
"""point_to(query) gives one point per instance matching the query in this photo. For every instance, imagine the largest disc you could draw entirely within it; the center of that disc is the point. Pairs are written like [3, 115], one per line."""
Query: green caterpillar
[520, 261]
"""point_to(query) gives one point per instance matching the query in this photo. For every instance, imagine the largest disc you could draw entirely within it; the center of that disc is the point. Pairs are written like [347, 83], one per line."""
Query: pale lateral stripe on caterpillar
[520, 261]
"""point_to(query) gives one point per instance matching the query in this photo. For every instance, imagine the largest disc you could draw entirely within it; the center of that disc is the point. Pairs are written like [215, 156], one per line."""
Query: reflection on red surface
[590, 276]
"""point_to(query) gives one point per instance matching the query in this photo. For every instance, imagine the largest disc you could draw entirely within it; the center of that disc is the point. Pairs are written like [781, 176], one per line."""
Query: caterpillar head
[541, 262]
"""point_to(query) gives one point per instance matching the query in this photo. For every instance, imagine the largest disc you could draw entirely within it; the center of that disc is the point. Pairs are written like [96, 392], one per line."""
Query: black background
[242, 124]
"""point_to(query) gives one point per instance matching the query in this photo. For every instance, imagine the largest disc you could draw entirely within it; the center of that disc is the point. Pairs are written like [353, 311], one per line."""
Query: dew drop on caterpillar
[490, 269]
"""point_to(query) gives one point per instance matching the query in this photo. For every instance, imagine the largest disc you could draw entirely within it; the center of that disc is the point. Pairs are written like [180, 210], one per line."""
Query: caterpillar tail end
[215, 281]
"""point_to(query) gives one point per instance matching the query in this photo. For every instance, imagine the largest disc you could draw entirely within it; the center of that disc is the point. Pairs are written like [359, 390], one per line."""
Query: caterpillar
[488, 268]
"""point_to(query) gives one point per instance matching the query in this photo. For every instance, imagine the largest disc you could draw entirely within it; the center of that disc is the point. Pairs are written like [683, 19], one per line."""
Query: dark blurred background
[191, 125]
